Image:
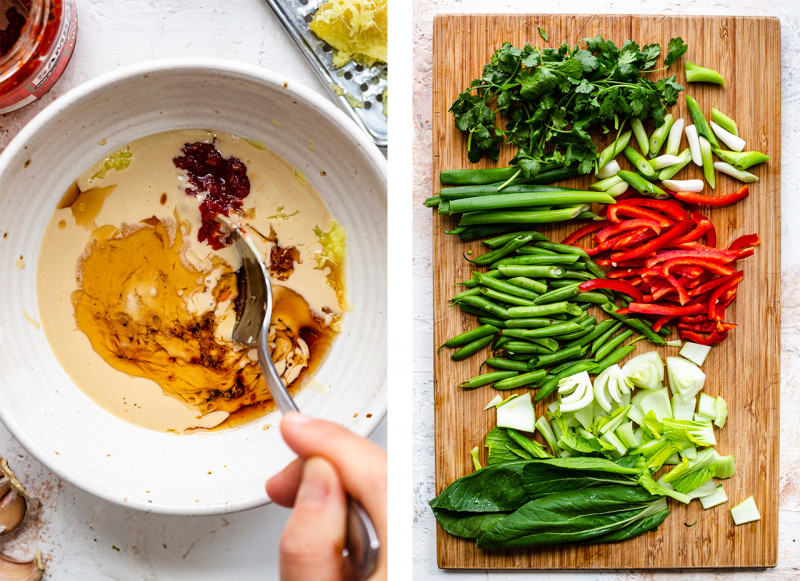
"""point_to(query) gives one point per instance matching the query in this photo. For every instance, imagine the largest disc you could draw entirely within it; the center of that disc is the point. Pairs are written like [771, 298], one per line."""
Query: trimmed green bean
[555, 308]
[528, 283]
[557, 295]
[598, 330]
[596, 298]
[531, 270]
[593, 267]
[605, 336]
[530, 323]
[499, 323]
[578, 275]
[505, 250]
[532, 378]
[525, 347]
[528, 259]
[472, 283]
[498, 241]
[478, 231]
[551, 331]
[612, 344]
[485, 306]
[471, 310]
[507, 298]
[535, 250]
[471, 335]
[472, 292]
[487, 378]
[504, 286]
[575, 352]
[636, 324]
[471, 348]
[561, 248]
[508, 364]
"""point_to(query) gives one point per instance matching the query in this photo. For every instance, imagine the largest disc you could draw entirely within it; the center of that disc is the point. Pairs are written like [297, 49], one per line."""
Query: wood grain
[745, 369]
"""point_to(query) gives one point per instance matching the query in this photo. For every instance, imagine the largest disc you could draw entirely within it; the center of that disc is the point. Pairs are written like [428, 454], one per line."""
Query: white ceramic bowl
[209, 472]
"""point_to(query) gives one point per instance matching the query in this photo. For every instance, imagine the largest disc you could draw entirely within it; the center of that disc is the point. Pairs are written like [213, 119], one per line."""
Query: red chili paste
[12, 31]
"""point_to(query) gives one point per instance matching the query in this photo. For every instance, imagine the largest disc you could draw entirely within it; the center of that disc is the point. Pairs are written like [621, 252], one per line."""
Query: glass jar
[31, 66]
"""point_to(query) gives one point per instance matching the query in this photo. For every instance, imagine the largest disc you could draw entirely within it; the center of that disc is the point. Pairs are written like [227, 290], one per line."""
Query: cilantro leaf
[675, 50]
[543, 34]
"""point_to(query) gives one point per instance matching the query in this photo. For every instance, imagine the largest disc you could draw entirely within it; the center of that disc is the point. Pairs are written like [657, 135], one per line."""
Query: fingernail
[296, 418]
[314, 487]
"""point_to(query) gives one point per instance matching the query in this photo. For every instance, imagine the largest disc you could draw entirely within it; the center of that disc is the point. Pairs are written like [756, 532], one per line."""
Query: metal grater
[365, 85]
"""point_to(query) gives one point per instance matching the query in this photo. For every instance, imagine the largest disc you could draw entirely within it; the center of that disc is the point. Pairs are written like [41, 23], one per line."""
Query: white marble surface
[424, 564]
[84, 538]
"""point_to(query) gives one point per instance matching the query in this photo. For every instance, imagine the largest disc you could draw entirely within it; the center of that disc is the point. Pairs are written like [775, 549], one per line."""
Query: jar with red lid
[37, 38]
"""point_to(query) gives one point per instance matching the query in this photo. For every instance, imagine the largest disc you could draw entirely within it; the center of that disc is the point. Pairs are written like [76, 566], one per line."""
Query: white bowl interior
[208, 472]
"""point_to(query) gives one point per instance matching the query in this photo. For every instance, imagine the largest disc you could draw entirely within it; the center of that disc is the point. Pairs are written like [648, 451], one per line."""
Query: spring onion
[742, 176]
[662, 161]
[641, 135]
[724, 121]
[694, 144]
[735, 142]
[641, 185]
[660, 136]
[618, 189]
[669, 172]
[697, 74]
[685, 378]
[645, 370]
[674, 139]
[746, 511]
[708, 162]
[684, 185]
[700, 121]
[741, 160]
[614, 149]
[608, 170]
[639, 162]
[606, 184]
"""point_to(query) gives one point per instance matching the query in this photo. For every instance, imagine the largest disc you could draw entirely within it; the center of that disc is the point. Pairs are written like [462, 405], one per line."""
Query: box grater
[359, 90]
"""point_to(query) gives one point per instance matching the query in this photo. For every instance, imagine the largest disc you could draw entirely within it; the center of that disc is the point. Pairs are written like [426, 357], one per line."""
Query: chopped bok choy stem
[575, 392]
[517, 413]
[715, 498]
[746, 511]
[685, 378]
[695, 352]
[645, 370]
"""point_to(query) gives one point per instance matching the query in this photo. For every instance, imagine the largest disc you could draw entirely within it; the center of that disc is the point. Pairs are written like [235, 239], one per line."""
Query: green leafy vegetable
[117, 161]
[675, 50]
[543, 34]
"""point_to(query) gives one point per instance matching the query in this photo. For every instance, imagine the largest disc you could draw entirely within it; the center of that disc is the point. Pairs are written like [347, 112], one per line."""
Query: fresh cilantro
[543, 34]
[550, 98]
[675, 50]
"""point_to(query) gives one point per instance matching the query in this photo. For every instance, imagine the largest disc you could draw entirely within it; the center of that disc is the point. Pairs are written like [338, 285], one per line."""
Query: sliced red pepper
[614, 229]
[656, 243]
[666, 310]
[622, 209]
[702, 262]
[615, 285]
[660, 322]
[584, 231]
[746, 241]
[710, 285]
[724, 200]
[703, 339]
[669, 208]
[704, 252]
[718, 292]
[687, 271]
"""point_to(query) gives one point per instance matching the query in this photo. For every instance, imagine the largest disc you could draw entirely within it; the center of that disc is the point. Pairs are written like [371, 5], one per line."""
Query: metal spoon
[252, 327]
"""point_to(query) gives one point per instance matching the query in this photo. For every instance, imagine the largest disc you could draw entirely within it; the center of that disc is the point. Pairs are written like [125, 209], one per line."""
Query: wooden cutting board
[745, 369]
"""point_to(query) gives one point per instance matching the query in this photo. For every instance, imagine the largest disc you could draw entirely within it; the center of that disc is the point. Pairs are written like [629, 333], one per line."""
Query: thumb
[313, 539]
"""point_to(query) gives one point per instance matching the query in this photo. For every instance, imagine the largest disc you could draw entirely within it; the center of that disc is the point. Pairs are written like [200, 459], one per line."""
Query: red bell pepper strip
[722, 256]
[669, 208]
[615, 285]
[746, 241]
[724, 200]
[620, 209]
[666, 310]
[718, 292]
[704, 263]
[703, 339]
[710, 285]
[656, 243]
[660, 322]
[614, 229]
[584, 231]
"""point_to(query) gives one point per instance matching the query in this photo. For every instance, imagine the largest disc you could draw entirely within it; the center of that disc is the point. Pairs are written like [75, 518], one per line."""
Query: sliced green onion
[735, 142]
[639, 162]
[663, 161]
[697, 74]
[694, 145]
[724, 121]
[669, 172]
[660, 136]
[674, 139]
[708, 162]
[684, 185]
[614, 149]
[641, 185]
[641, 135]
[608, 170]
[741, 160]
[606, 184]
[740, 175]
[617, 190]
[700, 121]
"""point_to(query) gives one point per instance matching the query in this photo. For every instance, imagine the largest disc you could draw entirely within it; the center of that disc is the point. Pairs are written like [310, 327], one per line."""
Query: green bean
[528, 283]
[472, 283]
[499, 323]
[536, 251]
[471, 335]
[590, 297]
[504, 286]
[578, 275]
[592, 267]
[636, 324]
[551, 331]
[605, 336]
[472, 292]
[559, 368]
[502, 297]
[525, 347]
[507, 200]
[572, 353]
[613, 150]
[531, 270]
[521, 216]
[613, 358]
[478, 231]
[551, 383]
[530, 323]
[561, 248]
[500, 342]
[471, 310]
[641, 185]
[487, 378]
[498, 241]
[471, 348]
[523, 379]
[639, 162]
[505, 250]
[443, 208]
[557, 295]
[500, 363]
[536, 259]
[543, 310]
[598, 330]
[432, 201]
[561, 283]
[612, 344]
[485, 306]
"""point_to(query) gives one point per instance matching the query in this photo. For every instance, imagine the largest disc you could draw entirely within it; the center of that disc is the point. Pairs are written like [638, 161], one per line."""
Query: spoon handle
[361, 544]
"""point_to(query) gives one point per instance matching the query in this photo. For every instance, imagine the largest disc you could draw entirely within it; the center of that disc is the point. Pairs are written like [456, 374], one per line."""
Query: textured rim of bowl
[201, 65]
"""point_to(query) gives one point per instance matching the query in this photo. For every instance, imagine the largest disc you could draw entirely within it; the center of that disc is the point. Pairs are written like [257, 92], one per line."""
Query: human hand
[332, 464]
